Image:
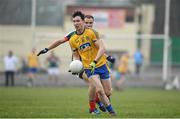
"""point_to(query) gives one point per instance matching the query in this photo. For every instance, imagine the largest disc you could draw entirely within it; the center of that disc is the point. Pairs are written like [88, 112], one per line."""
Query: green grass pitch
[68, 102]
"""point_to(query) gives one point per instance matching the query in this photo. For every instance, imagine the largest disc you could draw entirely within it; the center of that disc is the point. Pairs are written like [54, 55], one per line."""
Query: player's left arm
[101, 49]
[98, 44]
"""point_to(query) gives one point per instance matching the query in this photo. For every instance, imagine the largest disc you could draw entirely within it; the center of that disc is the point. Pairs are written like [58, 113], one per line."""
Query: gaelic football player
[89, 20]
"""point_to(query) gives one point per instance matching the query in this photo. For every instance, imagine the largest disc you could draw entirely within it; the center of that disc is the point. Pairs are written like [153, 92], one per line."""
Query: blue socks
[109, 108]
[100, 104]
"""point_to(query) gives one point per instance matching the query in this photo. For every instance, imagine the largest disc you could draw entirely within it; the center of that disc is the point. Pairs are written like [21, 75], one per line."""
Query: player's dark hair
[89, 16]
[78, 13]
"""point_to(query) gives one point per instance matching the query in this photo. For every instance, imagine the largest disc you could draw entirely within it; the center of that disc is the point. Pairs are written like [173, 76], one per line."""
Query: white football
[76, 66]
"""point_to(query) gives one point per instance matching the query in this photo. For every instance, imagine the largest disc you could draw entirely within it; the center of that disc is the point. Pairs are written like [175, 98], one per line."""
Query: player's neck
[80, 31]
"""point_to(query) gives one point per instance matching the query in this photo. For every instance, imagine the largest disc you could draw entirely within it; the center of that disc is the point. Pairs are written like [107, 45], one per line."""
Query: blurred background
[149, 26]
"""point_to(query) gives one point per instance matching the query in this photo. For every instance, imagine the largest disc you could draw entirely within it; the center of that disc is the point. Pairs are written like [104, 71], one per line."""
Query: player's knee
[108, 93]
[99, 91]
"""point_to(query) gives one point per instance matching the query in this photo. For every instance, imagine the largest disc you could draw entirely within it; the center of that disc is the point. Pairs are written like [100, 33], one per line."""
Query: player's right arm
[74, 49]
[75, 54]
[52, 46]
[56, 43]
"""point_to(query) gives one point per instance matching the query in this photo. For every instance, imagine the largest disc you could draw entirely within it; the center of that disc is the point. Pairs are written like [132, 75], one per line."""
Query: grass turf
[22, 102]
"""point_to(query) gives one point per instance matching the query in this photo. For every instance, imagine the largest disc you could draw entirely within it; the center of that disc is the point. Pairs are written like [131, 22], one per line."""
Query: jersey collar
[82, 32]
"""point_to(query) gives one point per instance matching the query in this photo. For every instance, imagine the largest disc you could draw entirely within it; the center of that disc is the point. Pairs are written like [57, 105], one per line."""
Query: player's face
[88, 22]
[78, 23]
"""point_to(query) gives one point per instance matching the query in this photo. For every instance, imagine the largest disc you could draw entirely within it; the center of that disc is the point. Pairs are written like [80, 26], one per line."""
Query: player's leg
[99, 103]
[83, 76]
[100, 91]
[30, 79]
[31, 76]
[106, 83]
[94, 80]
[92, 101]
[106, 80]
[91, 92]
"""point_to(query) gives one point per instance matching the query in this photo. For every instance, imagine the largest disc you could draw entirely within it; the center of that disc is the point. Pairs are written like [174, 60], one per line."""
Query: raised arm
[56, 43]
[52, 46]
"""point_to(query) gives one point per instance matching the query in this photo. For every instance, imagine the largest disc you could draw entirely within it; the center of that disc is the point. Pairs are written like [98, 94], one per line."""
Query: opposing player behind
[89, 21]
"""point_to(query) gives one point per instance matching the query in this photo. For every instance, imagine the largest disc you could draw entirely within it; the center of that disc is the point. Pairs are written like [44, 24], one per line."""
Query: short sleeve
[68, 36]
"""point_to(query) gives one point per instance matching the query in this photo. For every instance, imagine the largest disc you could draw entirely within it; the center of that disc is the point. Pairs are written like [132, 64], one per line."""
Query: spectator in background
[122, 70]
[33, 64]
[138, 60]
[10, 64]
[53, 67]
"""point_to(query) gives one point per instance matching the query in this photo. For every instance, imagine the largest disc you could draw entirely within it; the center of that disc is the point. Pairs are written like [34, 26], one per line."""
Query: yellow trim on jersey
[85, 46]
[109, 69]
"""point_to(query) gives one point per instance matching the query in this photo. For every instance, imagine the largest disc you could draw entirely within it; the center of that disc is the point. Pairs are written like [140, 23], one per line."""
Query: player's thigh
[85, 77]
[92, 92]
[107, 86]
[95, 81]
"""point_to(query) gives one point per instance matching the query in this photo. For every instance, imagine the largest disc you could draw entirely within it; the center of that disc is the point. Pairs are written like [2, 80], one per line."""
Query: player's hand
[45, 50]
[111, 59]
[93, 66]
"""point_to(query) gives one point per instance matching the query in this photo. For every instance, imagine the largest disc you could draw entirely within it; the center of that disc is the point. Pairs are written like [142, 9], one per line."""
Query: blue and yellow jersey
[123, 67]
[84, 44]
[32, 60]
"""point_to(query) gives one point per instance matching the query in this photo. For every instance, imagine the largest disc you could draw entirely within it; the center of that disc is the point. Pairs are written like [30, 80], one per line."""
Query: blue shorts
[33, 70]
[102, 71]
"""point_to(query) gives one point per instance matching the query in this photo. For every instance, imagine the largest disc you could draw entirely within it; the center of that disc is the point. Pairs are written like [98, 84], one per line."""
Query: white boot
[175, 83]
[168, 86]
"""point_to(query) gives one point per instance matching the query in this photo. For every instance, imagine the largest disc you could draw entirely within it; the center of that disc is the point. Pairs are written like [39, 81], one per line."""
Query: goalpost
[166, 40]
